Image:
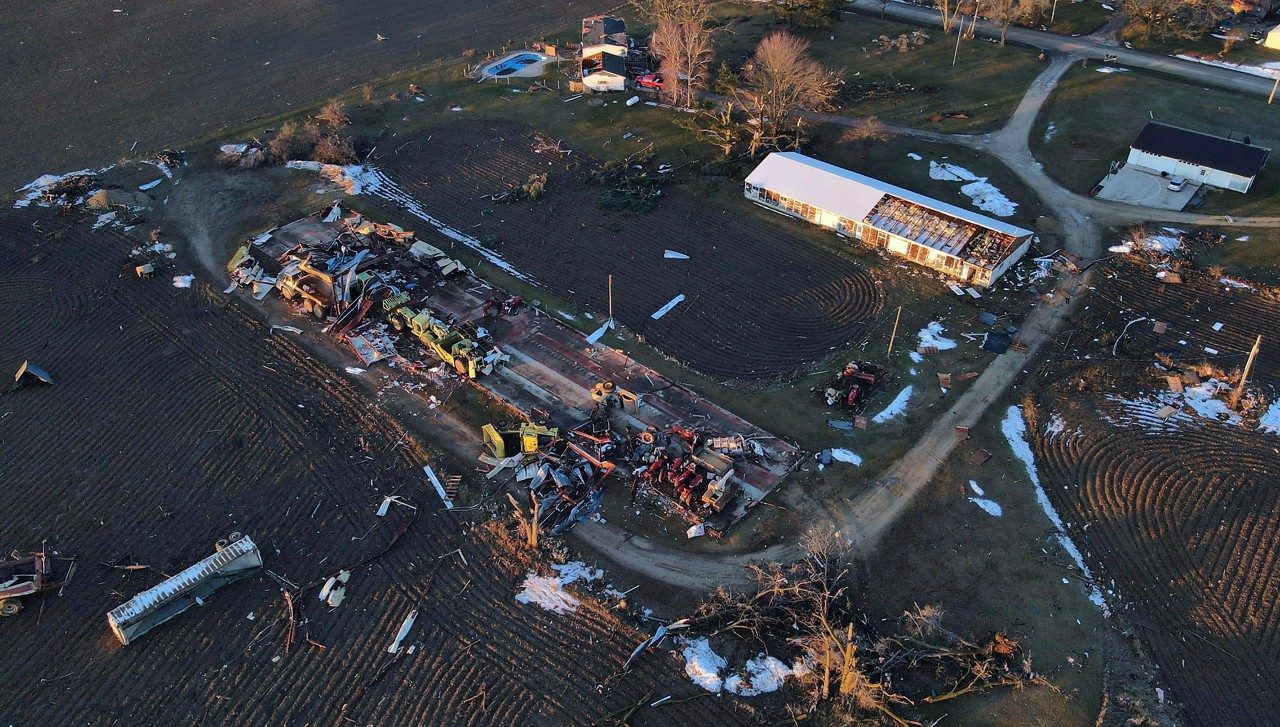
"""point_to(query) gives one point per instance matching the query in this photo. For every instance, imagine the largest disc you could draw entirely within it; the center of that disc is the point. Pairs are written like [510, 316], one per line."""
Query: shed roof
[608, 63]
[849, 194]
[1204, 150]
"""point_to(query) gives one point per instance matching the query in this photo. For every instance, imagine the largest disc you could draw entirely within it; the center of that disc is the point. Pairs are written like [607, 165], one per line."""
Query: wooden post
[533, 524]
[1244, 377]
[894, 335]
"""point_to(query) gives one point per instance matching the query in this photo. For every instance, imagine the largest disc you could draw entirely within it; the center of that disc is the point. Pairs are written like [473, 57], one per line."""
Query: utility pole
[1053, 13]
[611, 300]
[1236, 392]
[960, 32]
[894, 335]
[1274, 86]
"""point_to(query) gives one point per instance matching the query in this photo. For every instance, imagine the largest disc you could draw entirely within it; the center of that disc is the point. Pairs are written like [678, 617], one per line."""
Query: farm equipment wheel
[317, 310]
[10, 607]
[460, 367]
[397, 323]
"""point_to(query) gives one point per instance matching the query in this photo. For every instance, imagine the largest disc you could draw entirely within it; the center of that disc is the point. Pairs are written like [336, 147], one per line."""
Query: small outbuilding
[1200, 158]
[604, 72]
[956, 242]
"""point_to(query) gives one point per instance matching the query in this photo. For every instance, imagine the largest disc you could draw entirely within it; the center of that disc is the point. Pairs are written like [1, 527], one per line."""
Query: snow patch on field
[703, 664]
[183, 281]
[761, 674]
[1270, 420]
[764, 674]
[1271, 69]
[984, 195]
[1196, 402]
[33, 191]
[931, 335]
[1169, 242]
[896, 407]
[548, 591]
[1015, 431]
[1111, 69]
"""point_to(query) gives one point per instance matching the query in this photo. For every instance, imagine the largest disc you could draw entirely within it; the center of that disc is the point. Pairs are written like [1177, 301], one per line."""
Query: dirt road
[85, 82]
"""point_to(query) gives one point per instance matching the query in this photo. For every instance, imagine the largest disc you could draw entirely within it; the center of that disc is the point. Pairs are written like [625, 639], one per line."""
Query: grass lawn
[1256, 258]
[1075, 18]
[987, 80]
[1092, 117]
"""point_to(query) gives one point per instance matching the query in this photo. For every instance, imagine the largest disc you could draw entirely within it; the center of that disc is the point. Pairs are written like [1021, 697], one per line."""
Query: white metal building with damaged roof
[961, 244]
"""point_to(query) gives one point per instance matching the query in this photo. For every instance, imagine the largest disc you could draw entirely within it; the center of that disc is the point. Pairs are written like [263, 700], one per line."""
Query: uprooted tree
[780, 83]
[681, 41]
[853, 665]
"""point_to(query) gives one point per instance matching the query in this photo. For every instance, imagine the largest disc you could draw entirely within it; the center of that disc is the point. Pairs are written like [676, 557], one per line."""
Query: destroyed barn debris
[370, 283]
[305, 482]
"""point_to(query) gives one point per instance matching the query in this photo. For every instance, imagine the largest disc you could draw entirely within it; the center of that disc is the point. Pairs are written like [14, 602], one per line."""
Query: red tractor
[853, 385]
[23, 577]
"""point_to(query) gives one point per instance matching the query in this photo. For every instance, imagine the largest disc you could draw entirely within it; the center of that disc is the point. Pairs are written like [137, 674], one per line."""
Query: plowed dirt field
[760, 299]
[1181, 515]
[178, 418]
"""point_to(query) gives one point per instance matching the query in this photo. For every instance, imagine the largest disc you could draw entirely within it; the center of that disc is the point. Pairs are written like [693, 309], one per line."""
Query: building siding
[1193, 172]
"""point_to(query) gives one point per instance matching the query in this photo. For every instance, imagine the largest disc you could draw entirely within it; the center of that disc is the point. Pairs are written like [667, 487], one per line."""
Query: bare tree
[866, 132]
[681, 42]
[1004, 13]
[950, 11]
[780, 82]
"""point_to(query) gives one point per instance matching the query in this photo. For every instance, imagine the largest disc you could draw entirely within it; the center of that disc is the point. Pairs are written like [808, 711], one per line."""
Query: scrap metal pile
[688, 470]
[362, 276]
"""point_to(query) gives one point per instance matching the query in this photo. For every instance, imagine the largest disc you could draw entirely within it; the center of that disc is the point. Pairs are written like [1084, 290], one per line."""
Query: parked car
[1177, 183]
[649, 80]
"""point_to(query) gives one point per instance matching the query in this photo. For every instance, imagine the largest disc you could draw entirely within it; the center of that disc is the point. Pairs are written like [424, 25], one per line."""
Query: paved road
[1090, 46]
[84, 82]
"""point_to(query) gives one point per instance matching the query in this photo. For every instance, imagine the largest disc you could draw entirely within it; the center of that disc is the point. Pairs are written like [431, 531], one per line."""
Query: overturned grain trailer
[233, 560]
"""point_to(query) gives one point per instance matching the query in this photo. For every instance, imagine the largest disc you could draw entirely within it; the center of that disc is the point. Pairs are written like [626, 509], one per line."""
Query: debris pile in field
[839, 663]
[361, 277]
[688, 471]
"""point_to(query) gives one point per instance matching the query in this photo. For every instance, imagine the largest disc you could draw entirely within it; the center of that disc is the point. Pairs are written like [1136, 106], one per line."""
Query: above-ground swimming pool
[524, 63]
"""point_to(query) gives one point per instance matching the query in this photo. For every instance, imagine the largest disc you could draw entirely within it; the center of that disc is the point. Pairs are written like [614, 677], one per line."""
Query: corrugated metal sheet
[241, 555]
[849, 194]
